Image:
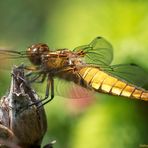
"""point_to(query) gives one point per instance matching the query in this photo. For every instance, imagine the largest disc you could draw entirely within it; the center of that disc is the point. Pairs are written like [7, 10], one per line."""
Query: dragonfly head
[36, 51]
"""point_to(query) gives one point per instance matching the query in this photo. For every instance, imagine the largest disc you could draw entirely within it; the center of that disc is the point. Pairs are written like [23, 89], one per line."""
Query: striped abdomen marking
[103, 82]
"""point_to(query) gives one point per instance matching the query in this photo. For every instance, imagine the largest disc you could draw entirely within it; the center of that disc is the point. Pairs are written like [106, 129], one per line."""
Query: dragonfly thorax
[36, 51]
[77, 61]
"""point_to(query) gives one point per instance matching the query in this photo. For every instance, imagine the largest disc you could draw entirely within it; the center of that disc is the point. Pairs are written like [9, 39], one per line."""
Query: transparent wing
[11, 54]
[98, 52]
[71, 90]
[66, 89]
[129, 72]
[9, 58]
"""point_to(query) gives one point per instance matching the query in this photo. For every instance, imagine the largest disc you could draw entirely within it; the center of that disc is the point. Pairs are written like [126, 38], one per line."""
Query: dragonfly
[88, 66]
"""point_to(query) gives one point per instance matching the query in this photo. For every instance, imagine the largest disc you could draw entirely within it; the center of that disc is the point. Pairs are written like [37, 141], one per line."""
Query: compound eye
[42, 48]
[39, 49]
[36, 51]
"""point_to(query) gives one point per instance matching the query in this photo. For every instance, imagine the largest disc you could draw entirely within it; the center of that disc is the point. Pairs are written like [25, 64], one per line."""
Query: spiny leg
[37, 72]
[36, 77]
[28, 74]
[50, 85]
[42, 79]
[33, 79]
[32, 68]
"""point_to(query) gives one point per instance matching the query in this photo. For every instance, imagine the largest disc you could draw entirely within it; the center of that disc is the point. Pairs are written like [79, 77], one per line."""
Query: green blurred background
[108, 122]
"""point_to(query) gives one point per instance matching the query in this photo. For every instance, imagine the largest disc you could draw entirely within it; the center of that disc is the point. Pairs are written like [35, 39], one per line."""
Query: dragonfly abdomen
[103, 82]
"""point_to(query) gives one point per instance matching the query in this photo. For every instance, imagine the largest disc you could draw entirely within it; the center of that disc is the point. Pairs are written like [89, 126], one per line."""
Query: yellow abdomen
[103, 82]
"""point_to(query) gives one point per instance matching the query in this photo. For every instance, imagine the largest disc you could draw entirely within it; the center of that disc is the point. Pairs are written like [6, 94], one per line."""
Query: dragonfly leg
[28, 74]
[37, 74]
[35, 78]
[42, 79]
[32, 68]
[50, 85]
